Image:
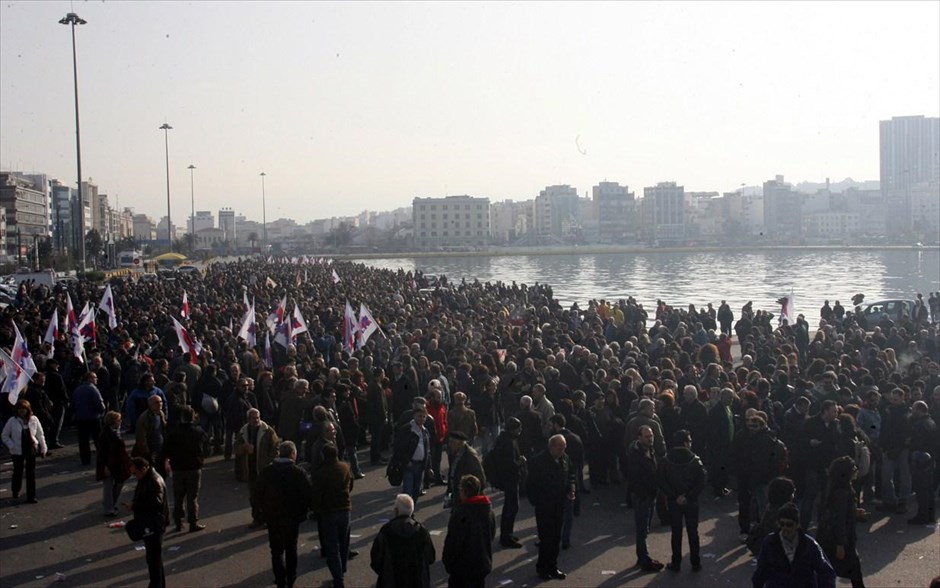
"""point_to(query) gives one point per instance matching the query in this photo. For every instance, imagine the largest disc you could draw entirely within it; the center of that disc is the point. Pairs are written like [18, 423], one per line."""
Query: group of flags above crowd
[18, 367]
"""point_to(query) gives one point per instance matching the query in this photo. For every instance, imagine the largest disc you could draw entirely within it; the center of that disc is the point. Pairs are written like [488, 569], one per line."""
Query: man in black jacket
[184, 448]
[682, 478]
[151, 510]
[509, 463]
[465, 462]
[402, 551]
[283, 494]
[468, 547]
[413, 450]
[925, 445]
[641, 474]
[895, 447]
[550, 484]
[574, 447]
[820, 439]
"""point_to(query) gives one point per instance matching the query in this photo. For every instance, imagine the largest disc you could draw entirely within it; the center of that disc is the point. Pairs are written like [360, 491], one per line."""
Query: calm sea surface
[682, 278]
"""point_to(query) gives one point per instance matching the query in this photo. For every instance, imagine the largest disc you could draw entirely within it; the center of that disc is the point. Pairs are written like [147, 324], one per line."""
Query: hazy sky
[349, 106]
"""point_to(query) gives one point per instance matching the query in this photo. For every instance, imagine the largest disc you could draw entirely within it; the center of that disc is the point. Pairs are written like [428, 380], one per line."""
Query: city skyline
[349, 107]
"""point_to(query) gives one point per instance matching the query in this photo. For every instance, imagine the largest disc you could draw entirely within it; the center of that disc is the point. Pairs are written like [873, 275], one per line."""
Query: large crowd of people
[809, 426]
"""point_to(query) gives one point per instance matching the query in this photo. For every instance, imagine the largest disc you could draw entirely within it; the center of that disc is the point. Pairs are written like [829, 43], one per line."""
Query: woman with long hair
[24, 437]
[836, 532]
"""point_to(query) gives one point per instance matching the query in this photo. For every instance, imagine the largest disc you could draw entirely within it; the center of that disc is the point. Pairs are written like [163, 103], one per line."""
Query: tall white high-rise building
[910, 168]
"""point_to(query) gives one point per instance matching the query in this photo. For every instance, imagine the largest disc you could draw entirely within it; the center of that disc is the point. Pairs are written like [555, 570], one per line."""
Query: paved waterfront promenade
[66, 534]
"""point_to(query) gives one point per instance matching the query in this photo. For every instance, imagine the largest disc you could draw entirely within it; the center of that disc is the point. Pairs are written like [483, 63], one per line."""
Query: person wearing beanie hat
[465, 461]
[791, 557]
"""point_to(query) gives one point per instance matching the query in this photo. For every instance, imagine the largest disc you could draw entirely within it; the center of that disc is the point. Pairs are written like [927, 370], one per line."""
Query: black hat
[513, 424]
[790, 512]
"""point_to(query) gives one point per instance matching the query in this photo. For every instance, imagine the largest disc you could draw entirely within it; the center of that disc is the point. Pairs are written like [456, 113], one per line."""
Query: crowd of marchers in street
[809, 425]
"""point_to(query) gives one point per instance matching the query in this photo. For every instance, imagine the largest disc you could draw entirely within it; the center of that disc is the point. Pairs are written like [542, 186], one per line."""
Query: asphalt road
[66, 534]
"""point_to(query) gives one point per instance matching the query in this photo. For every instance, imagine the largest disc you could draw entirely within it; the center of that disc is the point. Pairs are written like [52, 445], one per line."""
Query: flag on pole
[270, 282]
[297, 323]
[70, 321]
[20, 368]
[336, 279]
[245, 305]
[367, 325]
[186, 341]
[786, 308]
[185, 312]
[86, 325]
[350, 329]
[282, 336]
[277, 315]
[268, 356]
[52, 331]
[107, 307]
[249, 328]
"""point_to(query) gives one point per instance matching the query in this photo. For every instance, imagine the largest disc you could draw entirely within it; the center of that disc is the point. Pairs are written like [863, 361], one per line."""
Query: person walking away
[468, 547]
[184, 449]
[402, 551]
[24, 437]
[895, 448]
[283, 495]
[549, 484]
[151, 511]
[113, 466]
[682, 479]
[256, 444]
[791, 557]
[819, 438]
[836, 532]
[88, 408]
[55, 390]
[641, 474]
[332, 486]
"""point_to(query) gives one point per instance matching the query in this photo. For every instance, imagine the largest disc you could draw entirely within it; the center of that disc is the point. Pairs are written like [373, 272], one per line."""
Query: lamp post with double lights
[264, 218]
[192, 218]
[169, 224]
[73, 19]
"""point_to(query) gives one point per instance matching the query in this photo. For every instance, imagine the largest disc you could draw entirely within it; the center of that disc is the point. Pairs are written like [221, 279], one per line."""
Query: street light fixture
[73, 19]
[169, 225]
[264, 218]
[192, 197]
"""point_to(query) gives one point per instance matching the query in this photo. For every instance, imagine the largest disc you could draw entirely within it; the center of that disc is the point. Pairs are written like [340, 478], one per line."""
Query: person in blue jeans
[332, 486]
[641, 473]
[413, 449]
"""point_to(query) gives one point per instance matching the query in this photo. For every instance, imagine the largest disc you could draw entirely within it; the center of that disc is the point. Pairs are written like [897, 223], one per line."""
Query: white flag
[367, 325]
[350, 329]
[249, 328]
[52, 332]
[336, 279]
[107, 307]
[297, 323]
[20, 368]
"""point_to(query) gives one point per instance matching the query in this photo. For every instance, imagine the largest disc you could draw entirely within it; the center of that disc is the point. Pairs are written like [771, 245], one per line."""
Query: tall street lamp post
[192, 218]
[169, 225]
[264, 218]
[73, 19]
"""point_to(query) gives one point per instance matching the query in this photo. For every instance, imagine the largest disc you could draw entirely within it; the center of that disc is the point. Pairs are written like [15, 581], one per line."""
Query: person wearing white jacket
[24, 437]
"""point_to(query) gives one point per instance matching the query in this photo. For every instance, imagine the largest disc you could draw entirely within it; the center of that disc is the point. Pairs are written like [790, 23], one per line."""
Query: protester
[184, 449]
[331, 503]
[682, 479]
[413, 450]
[113, 466]
[151, 511]
[550, 483]
[256, 446]
[642, 476]
[283, 496]
[88, 408]
[402, 551]
[468, 546]
[790, 557]
[24, 437]
[465, 462]
[836, 532]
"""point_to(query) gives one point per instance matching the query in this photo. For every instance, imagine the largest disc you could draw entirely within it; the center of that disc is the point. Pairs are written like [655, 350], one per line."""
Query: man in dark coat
[682, 479]
[551, 482]
[574, 447]
[693, 416]
[820, 440]
[925, 445]
[808, 567]
[184, 448]
[758, 458]
[508, 466]
[720, 436]
[55, 390]
[283, 494]
[151, 510]
[468, 547]
[402, 551]
[641, 475]
[89, 408]
[466, 462]
[413, 450]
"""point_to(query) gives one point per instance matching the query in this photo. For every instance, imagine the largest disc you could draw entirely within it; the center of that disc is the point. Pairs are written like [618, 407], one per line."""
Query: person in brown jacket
[462, 419]
[331, 502]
